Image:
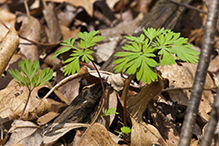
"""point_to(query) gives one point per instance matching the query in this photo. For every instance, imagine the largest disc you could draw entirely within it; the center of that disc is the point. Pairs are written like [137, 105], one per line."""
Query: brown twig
[201, 72]
[188, 6]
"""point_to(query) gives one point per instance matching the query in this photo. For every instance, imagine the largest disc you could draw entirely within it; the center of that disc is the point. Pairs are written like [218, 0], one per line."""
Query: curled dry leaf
[7, 47]
[97, 135]
[25, 133]
[136, 105]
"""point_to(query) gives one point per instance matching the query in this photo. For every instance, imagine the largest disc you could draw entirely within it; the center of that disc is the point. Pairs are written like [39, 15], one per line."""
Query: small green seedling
[110, 111]
[31, 79]
[125, 129]
[87, 42]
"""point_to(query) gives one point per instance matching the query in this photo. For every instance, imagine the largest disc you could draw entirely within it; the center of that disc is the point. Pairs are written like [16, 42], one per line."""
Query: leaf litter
[167, 105]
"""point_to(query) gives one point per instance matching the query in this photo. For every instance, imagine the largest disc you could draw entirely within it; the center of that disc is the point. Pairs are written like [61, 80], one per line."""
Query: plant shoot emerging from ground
[83, 53]
[31, 79]
[138, 57]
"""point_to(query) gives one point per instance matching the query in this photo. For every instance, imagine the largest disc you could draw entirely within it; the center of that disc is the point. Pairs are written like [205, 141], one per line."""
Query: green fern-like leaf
[138, 61]
[30, 77]
[139, 53]
[87, 41]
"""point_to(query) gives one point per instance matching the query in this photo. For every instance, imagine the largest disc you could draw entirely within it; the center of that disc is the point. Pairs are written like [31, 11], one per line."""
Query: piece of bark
[163, 14]
[81, 107]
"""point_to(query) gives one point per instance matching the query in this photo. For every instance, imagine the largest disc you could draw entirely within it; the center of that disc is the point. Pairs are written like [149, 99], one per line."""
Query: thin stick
[82, 72]
[27, 8]
[189, 6]
[185, 88]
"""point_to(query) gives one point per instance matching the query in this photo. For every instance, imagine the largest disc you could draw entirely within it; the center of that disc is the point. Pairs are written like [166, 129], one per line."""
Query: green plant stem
[28, 98]
[124, 96]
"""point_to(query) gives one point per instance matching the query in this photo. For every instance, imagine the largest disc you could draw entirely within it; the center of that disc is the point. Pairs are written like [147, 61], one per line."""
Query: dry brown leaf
[25, 133]
[145, 134]
[67, 33]
[53, 132]
[52, 21]
[70, 89]
[97, 135]
[8, 47]
[183, 76]
[56, 106]
[13, 99]
[86, 4]
[30, 29]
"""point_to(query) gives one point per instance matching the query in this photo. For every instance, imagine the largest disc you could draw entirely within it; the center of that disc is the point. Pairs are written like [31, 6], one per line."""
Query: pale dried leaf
[53, 132]
[12, 98]
[24, 133]
[105, 50]
[67, 33]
